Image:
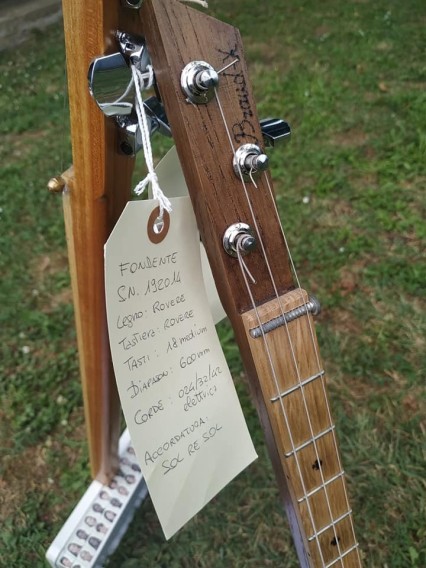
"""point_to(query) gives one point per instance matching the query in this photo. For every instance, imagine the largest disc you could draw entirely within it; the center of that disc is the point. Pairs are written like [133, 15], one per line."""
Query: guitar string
[311, 330]
[271, 364]
[290, 343]
[283, 410]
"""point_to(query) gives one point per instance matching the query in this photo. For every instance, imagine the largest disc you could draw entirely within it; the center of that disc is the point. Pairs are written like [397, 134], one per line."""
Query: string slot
[328, 482]
[341, 556]
[333, 523]
[298, 386]
[311, 441]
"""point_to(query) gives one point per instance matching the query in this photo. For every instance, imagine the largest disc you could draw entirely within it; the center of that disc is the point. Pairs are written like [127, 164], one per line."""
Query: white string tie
[142, 82]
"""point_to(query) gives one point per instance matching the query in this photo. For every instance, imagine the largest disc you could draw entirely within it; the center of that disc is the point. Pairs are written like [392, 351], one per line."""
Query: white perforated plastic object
[99, 521]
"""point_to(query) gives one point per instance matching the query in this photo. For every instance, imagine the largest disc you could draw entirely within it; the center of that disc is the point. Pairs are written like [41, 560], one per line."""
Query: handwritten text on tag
[176, 390]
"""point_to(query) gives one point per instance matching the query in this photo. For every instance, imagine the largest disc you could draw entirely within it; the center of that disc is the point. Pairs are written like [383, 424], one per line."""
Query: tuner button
[249, 161]
[239, 237]
[198, 82]
[109, 78]
[207, 79]
[247, 243]
[258, 163]
[275, 131]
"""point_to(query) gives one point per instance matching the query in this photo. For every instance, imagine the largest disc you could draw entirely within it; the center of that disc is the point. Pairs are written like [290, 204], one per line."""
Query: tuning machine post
[249, 160]
[198, 81]
[111, 85]
[239, 237]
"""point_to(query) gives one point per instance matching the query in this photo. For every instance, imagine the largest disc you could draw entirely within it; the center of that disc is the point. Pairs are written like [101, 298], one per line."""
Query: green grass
[350, 78]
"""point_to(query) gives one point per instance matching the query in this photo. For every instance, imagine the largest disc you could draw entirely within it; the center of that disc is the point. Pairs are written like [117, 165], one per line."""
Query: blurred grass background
[350, 78]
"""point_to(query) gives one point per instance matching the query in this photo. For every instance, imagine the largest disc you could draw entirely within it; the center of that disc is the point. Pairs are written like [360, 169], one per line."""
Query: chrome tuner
[111, 85]
[275, 131]
[110, 77]
[239, 236]
[130, 137]
[198, 82]
[249, 161]
[109, 80]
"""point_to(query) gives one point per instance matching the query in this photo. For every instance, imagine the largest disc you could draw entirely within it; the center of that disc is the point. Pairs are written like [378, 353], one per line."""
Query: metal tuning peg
[275, 131]
[198, 81]
[130, 135]
[239, 237]
[249, 161]
[111, 85]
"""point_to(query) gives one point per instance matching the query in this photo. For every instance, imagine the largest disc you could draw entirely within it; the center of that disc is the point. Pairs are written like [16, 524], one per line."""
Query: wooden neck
[292, 383]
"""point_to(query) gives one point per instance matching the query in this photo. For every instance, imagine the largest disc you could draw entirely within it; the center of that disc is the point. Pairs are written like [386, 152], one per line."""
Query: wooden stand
[95, 196]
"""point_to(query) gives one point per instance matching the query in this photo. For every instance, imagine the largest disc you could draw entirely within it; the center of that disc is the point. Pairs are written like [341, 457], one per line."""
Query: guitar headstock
[205, 100]
[202, 79]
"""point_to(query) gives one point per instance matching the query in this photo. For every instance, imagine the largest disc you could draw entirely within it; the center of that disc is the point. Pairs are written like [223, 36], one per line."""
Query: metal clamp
[249, 161]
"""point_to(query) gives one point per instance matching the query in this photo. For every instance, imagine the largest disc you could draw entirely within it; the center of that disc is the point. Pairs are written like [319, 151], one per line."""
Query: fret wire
[294, 363]
[315, 351]
[323, 484]
[333, 523]
[266, 341]
[296, 387]
[345, 553]
[311, 441]
[337, 476]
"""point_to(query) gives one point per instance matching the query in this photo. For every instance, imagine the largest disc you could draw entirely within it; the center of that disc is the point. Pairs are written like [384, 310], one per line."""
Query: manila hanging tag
[177, 393]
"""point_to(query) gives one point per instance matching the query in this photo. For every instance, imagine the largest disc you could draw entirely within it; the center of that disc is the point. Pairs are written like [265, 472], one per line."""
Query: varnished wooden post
[94, 199]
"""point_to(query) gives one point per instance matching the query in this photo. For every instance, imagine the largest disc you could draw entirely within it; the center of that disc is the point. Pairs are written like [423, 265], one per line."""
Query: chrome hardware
[249, 161]
[130, 137]
[275, 131]
[134, 50]
[312, 307]
[110, 77]
[198, 82]
[239, 236]
[157, 114]
[110, 85]
[135, 4]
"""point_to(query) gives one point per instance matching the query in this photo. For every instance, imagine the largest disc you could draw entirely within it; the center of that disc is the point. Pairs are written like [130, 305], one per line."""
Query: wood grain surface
[94, 200]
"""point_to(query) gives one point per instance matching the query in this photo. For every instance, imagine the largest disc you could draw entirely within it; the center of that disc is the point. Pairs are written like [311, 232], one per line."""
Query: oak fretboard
[292, 380]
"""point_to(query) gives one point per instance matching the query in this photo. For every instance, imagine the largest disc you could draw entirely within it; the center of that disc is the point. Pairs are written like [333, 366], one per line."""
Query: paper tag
[177, 393]
[172, 182]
